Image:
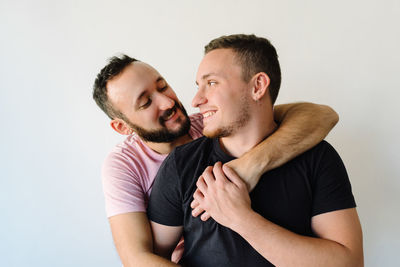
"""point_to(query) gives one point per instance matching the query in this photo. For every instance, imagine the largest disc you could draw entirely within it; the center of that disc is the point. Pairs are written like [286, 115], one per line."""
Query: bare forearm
[133, 253]
[285, 248]
[133, 240]
[302, 126]
[165, 240]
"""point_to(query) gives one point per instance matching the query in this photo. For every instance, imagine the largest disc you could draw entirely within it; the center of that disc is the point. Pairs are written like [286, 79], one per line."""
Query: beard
[164, 135]
[239, 122]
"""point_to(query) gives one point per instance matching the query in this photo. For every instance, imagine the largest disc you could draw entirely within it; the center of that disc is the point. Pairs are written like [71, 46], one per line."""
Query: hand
[197, 209]
[225, 200]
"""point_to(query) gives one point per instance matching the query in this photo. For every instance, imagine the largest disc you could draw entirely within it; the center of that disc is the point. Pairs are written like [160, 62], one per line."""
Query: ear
[121, 127]
[260, 85]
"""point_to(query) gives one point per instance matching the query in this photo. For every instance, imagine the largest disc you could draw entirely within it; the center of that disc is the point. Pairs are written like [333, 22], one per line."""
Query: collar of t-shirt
[221, 154]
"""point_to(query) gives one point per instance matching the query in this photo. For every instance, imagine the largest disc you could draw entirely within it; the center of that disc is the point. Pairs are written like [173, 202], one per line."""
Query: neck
[249, 136]
[166, 148]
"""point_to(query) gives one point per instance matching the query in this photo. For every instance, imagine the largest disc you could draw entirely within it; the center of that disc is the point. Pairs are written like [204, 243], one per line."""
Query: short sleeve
[123, 191]
[165, 204]
[332, 188]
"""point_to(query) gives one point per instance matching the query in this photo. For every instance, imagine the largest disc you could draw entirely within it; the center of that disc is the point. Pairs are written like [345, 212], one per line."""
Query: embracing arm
[301, 126]
[133, 240]
[165, 238]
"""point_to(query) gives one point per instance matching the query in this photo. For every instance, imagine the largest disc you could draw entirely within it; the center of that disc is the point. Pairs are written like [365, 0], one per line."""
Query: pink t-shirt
[129, 170]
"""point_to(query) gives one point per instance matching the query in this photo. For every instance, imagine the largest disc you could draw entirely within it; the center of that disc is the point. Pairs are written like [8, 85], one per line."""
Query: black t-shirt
[313, 183]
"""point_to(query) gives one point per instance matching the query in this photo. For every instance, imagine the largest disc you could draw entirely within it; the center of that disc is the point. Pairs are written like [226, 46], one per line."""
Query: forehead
[218, 62]
[136, 74]
[135, 78]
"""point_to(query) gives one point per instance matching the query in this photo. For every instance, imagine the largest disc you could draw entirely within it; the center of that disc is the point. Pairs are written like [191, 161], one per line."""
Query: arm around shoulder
[317, 117]
[301, 126]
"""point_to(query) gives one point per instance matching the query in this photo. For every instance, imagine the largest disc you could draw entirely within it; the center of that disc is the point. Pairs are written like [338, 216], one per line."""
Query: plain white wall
[54, 138]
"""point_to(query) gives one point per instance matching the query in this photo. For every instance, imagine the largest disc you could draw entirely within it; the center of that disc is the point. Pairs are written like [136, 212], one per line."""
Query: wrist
[242, 220]
[261, 158]
[255, 167]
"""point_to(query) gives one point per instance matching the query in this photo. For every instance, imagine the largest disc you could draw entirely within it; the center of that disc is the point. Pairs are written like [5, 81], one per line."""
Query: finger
[231, 174]
[201, 185]
[218, 172]
[205, 216]
[197, 211]
[198, 196]
[194, 203]
[208, 176]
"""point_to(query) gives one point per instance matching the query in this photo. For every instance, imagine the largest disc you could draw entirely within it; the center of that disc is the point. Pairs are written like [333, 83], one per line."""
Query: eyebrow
[145, 91]
[205, 76]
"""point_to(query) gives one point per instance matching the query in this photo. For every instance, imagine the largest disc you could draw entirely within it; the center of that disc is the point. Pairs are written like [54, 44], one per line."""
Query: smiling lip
[170, 115]
[171, 118]
[208, 114]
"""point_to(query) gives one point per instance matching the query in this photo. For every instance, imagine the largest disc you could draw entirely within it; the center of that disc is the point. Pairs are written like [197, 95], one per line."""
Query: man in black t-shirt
[300, 214]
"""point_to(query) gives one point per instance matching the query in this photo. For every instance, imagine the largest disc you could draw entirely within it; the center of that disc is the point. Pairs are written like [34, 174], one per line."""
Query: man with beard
[142, 105]
[300, 214]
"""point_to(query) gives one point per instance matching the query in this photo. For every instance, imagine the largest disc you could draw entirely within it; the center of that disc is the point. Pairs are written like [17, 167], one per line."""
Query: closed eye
[163, 88]
[147, 104]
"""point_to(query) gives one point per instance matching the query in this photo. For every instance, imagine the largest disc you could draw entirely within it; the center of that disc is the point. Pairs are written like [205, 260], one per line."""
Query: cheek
[213, 96]
[153, 114]
[148, 116]
[222, 100]
[171, 94]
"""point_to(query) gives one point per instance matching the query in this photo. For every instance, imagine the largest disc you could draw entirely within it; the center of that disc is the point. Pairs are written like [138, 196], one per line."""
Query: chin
[210, 133]
[222, 131]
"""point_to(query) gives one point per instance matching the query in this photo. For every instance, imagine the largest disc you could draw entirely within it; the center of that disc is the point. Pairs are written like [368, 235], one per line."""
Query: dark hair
[114, 67]
[254, 54]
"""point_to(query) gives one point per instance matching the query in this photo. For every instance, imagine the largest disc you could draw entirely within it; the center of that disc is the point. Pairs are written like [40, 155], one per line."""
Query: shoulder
[320, 150]
[184, 157]
[196, 118]
[331, 183]
[133, 153]
[192, 148]
[322, 153]
[196, 125]
[318, 162]
[123, 156]
[125, 180]
[131, 161]
[323, 147]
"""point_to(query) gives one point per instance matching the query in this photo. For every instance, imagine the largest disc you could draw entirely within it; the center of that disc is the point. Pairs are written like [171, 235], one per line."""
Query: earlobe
[261, 82]
[121, 127]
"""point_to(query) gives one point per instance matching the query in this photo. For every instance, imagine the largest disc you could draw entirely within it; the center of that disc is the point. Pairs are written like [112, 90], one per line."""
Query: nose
[199, 98]
[164, 101]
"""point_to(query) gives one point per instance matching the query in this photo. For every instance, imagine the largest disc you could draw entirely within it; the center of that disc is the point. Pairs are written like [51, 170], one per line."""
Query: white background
[54, 138]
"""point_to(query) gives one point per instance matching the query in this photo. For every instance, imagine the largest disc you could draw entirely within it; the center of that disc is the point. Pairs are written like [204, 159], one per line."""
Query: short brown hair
[254, 54]
[114, 67]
